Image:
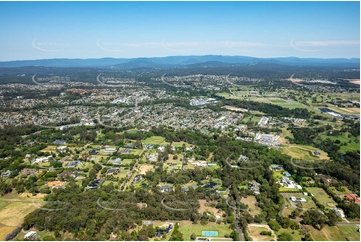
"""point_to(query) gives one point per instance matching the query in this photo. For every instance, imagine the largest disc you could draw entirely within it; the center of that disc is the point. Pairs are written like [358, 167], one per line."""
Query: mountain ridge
[179, 61]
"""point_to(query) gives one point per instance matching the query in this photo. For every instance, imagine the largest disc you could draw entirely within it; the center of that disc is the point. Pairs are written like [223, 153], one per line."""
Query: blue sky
[43, 30]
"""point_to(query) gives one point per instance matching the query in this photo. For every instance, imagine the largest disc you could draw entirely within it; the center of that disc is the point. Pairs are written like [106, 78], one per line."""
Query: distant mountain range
[184, 62]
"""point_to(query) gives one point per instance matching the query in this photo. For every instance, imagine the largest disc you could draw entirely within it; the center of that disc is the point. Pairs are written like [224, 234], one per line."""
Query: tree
[193, 236]
[315, 218]
[176, 235]
[49, 238]
[284, 237]
[332, 218]
[274, 225]
[151, 231]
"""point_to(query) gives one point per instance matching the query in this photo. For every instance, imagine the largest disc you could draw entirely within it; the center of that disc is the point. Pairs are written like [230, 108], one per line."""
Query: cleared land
[327, 233]
[304, 152]
[187, 228]
[251, 202]
[349, 231]
[354, 81]
[205, 208]
[156, 140]
[13, 209]
[354, 145]
[145, 168]
[254, 231]
[295, 234]
[321, 195]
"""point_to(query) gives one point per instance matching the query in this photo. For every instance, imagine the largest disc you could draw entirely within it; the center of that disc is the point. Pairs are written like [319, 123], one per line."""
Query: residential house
[6, 173]
[159, 233]
[112, 171]
[74, 164]
[165, 188]
[55, 184]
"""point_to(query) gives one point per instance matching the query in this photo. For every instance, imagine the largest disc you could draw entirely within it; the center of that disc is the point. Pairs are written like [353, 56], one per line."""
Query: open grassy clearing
[345, 110]
[132, 131]
[188, 229]
[50, 148]
[180, 144]
[320, 195]
[206, 207]
[349, 231]
[345, 145]
[13, 210]
[5, 230]
[327, 233]
[304, 152]
[154, 140]
[127, 161]
[251, 202]
[295, 234]
[254, 231]
[339, 193]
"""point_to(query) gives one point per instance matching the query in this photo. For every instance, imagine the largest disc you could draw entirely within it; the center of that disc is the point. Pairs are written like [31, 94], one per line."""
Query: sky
[45, 30]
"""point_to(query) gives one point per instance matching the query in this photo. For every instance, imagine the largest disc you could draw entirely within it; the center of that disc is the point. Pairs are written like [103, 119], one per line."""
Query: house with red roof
[352, 198]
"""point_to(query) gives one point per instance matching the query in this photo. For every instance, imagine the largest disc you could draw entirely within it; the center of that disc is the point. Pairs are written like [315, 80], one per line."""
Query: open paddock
[156, 140]
[349, 231]
[187, 228]
[304, 152]
[320, 195]
[327, 233]
[13, 209]
[254, 231]
[251, 202]
[295, 234]
[205, 207]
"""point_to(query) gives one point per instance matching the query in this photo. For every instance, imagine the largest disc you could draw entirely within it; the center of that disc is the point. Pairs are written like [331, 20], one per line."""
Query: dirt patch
[254, 232]
[354, 81]
[204, 207]
[235, 109]
[296, 80]
[144, 169]
[282, 140]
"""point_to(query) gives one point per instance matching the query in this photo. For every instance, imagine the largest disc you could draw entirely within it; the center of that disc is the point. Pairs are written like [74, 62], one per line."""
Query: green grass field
[327, 233]
[303, 152]
[132, 131]
[126, 161]
[296, 234]
[349, 231]
[320, 195]
[154, 140]
[187, 230]
[352, 146]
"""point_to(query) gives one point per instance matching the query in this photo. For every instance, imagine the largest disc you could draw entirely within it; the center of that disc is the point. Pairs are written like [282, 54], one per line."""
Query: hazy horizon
[93, 30]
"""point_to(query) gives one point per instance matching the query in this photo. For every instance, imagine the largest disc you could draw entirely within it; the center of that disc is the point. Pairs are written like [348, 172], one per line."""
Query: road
[237, 226]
